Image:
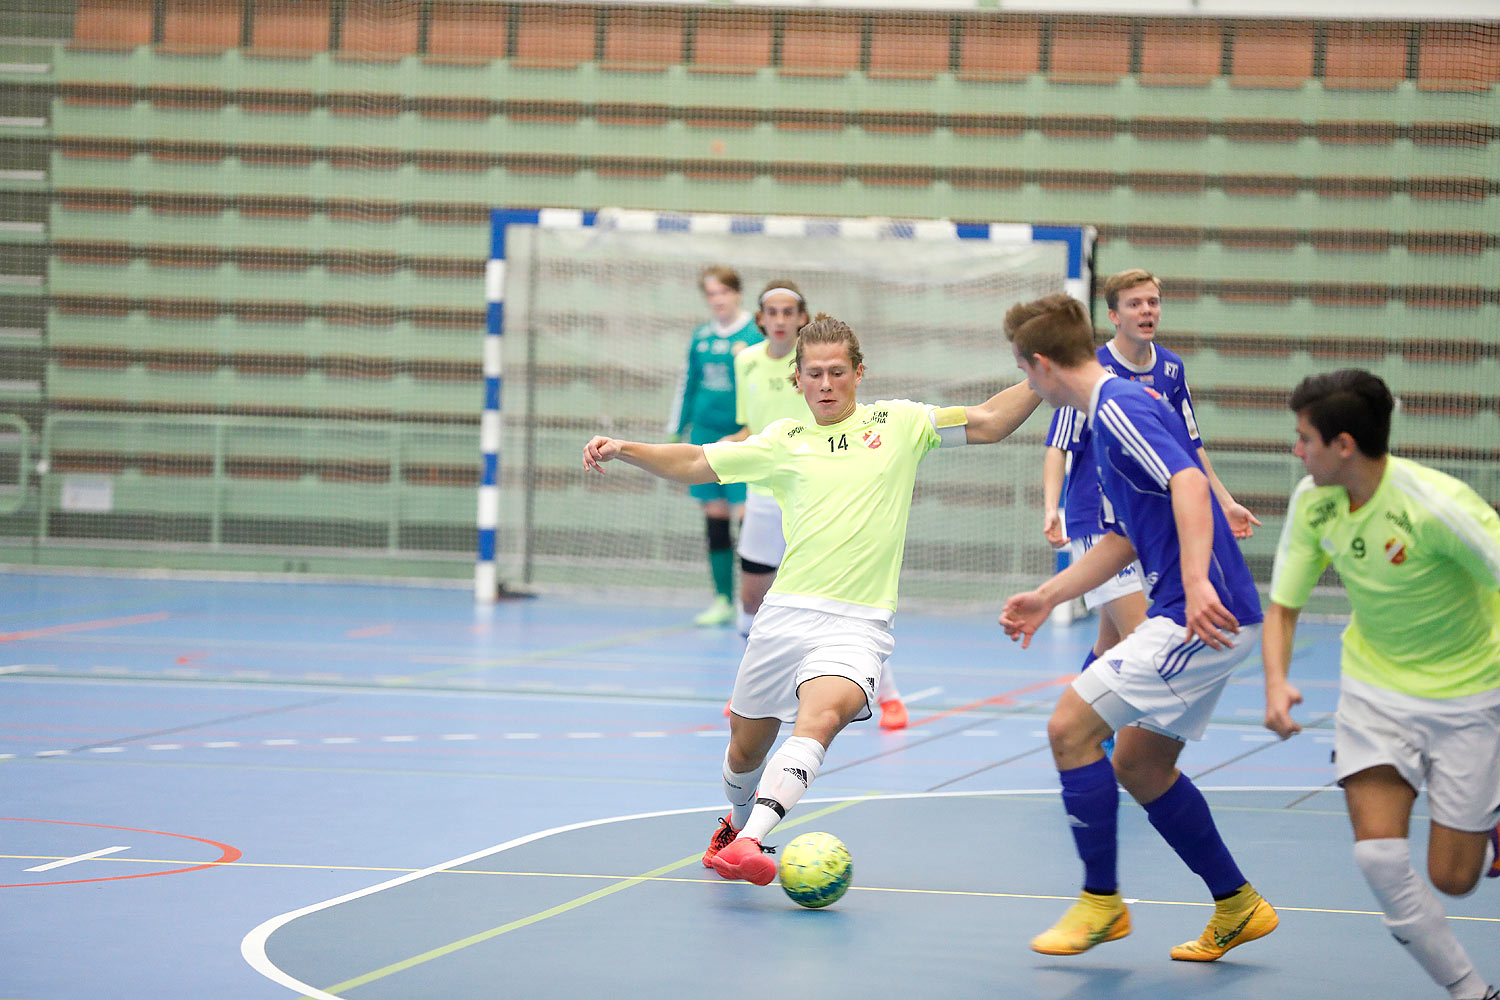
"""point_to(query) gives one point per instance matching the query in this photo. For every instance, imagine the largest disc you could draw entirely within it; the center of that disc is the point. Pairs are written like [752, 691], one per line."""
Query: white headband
[781, 291]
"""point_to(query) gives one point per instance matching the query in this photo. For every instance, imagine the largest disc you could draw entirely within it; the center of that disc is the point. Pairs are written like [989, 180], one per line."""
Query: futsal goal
[590, 318]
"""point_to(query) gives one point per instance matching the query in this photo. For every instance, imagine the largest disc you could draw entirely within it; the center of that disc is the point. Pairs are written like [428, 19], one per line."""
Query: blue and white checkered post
[1078, 283]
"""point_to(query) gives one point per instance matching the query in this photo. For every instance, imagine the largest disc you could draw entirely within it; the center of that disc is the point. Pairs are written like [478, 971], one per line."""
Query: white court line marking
[77, 858]
[921, 695]
[253, 946]
[459, 736]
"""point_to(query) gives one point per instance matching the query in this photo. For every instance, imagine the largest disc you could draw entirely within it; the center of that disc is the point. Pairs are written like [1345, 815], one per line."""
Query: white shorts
[761, 539]
[1159, 679]
[1127, 581]
[789, 646]
[1456, 754]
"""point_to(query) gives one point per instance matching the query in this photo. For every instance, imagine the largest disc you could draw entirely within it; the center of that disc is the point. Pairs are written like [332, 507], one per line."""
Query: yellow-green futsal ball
[816, 869]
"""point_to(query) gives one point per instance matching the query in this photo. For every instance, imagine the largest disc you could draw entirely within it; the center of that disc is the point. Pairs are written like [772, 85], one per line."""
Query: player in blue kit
[1134, 300]
[1157, 687]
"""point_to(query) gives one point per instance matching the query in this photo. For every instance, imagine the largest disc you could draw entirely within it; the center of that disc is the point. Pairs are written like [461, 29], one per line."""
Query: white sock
[789, 772]
[739, 789]
[887, 685]
[745, 620]
[1414, 916]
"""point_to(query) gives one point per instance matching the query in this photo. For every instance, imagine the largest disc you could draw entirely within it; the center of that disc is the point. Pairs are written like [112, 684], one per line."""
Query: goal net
[596, 320]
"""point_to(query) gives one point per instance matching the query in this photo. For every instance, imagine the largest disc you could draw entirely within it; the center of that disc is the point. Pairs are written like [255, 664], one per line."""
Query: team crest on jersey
[1395, 551]
[871, 439]
[1170, 369]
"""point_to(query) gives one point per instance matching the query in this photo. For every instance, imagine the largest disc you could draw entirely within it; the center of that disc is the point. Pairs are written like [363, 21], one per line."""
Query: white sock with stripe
[1414, 916]
[789, 772]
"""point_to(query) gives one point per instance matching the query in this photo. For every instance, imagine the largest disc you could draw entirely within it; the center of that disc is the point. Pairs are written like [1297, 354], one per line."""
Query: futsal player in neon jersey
[817, 648]
[1419, 554]
[1157, 687]
[764, 393]
[1133, 297]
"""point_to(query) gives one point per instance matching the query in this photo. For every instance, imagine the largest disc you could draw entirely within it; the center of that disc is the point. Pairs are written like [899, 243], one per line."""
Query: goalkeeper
[818, 646]
[703, 410]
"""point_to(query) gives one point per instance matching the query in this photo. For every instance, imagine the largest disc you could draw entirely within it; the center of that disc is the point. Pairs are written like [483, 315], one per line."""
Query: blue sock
[1087, 660]
[1181, 816]
[1092, 801]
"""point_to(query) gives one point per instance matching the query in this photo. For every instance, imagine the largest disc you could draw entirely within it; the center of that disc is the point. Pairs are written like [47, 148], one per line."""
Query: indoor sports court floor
[239, 790]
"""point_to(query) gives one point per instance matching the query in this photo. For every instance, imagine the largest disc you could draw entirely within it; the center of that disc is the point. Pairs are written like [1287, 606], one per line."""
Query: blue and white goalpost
[1043, 258]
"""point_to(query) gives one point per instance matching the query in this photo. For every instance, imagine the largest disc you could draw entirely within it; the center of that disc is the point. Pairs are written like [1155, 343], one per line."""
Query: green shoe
[717, 615]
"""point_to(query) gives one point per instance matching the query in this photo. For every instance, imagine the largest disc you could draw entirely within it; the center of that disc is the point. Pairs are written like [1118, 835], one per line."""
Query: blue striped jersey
[1138, 444]
[1069, 431]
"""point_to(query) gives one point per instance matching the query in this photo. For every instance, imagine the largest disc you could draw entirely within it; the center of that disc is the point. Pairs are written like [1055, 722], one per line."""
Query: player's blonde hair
[824, 329]
[1129, 278]
[1055, 327]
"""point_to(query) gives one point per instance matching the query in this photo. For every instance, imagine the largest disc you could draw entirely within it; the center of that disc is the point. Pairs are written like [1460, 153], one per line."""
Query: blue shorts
[733, 493]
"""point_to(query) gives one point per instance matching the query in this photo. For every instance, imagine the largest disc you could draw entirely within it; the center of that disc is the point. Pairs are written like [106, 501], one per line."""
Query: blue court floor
[243, 790]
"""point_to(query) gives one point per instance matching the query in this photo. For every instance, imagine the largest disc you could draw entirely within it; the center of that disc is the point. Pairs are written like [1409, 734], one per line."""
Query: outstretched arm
[1024, 613]
[682, 463]
[997, 417]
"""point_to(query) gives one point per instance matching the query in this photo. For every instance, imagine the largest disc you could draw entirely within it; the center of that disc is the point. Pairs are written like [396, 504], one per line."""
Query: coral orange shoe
[746, 859]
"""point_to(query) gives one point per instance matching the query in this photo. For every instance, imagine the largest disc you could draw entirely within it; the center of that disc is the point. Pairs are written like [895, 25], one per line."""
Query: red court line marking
[370, 632]
[42, 633]
[227, 854]
[1006, 698]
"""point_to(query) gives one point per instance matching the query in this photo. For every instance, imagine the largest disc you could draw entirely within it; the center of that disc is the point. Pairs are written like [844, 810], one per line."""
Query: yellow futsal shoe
[1242, 917]
[1090, 921]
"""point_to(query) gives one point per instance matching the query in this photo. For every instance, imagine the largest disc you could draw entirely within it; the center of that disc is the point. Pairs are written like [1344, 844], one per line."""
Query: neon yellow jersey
[764, 394]
[845, 495]
[1421, 564]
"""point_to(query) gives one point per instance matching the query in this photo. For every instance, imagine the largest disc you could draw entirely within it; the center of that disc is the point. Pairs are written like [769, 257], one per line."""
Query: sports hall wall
[243, 244]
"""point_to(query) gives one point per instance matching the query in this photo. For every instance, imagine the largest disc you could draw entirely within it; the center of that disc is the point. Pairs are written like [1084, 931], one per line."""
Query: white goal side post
[591, 312]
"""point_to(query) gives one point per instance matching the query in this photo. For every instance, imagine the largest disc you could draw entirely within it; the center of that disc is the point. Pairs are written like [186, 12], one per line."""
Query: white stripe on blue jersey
[1134, 442]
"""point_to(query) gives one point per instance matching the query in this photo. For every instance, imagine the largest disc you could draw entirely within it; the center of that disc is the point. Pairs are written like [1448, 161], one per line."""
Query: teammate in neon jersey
[844, 482]
[764, 393]
[1134, 300]
[1419, 555]
[1158, 686]
[703, 409]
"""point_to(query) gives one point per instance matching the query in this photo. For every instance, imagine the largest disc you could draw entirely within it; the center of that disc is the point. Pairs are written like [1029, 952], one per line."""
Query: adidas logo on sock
[797, 773]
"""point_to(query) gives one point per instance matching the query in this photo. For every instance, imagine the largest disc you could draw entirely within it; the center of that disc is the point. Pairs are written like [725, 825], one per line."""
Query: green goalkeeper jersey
[845, 494]
[704, 403]
[764, 394]
[1421, 564]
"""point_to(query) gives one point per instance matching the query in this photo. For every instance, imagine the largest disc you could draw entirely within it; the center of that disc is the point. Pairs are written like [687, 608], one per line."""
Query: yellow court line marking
[572, 904]
[659, 875]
